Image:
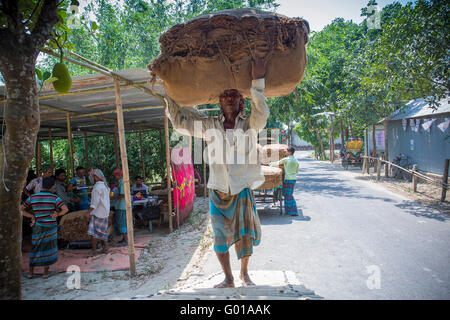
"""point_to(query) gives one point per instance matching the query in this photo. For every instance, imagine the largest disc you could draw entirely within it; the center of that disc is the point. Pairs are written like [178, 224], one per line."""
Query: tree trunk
[319, 138]
[351, 129]
[22, 125]
[342, 133]
[386, 140]
[374, 141]
[374, 146]
[19, 48]
[332, 140]
[347, 131]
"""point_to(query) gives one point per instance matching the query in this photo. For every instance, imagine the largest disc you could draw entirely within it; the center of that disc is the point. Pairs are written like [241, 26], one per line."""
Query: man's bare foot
[246, 281]
[227, 283]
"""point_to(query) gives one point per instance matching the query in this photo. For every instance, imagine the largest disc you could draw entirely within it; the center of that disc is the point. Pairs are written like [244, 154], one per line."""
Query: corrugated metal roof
[421, 108]
[94, 112]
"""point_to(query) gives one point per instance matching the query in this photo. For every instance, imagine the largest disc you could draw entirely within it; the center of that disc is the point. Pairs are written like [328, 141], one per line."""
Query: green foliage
[126, 36]
[363, 75]
[102, 154]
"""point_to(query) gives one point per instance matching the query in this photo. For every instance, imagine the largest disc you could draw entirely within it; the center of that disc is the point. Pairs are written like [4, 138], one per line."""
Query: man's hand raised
[258, 68]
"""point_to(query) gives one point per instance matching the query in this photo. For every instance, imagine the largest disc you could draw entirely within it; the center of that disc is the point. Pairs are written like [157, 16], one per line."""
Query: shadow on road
[271, 216]
[323, 184]
[419, 210]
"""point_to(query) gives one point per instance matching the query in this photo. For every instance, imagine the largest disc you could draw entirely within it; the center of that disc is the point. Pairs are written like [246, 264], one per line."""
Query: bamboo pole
[73, 93]
[364, 165]
[73, 54]
[69, 138]
[378, 169]
[141, 153]
[126, 178]
[93, 114]
[161, 142]
[86, 150]
[51, 146]
[116, 147]
[84, 65]
[204, 169]
[103, 71]
[445, 180]
[169, 184]
[416, 173]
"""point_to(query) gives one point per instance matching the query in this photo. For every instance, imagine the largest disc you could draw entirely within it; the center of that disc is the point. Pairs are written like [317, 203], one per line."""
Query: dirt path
[165, 260]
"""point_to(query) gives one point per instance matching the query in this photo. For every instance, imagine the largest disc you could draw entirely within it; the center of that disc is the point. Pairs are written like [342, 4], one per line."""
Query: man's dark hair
[291, 150]
[79, 168]
[59, 171]
[138, 177]
[48, 183]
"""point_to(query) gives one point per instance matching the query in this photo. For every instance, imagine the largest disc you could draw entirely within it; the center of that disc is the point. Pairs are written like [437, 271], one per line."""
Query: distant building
[379, 140]
[421, 133]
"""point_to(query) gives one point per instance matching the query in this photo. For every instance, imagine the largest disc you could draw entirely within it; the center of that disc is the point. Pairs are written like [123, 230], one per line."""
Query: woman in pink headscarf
[99, 210]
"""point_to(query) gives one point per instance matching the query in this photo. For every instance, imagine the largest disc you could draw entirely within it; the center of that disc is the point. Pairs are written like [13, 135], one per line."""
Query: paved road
[357, 231]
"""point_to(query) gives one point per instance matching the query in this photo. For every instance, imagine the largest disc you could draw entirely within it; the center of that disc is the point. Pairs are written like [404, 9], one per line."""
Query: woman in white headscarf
[99, 210]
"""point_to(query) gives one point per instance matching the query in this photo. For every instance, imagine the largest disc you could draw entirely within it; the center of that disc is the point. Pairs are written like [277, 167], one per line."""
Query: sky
[320, 13]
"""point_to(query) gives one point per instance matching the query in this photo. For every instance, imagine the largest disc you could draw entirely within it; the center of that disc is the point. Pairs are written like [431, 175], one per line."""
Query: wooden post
[364, 166]
[126, 176]
[169, 184]
[161, 143]
[86, 150]
[368, 166]
[141, 152]
[414, 178]
[445, 180]
[69, 138]
[205, 191]
[378, 169]
[51, 146]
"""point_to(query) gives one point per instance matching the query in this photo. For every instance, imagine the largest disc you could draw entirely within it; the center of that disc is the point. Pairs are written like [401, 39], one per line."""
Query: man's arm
[28, 188]
[278, 163]
[63, 211]
[188, 122]
[260, 111]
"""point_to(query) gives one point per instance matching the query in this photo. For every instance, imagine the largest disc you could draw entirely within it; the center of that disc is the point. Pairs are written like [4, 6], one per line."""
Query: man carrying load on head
[233, 211]
[290, 165]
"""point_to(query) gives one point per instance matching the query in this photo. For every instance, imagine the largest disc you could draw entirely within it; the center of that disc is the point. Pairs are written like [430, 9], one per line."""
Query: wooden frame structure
[58, 116]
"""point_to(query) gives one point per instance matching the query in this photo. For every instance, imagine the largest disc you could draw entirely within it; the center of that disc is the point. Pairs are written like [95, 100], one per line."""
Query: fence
[414, 172]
